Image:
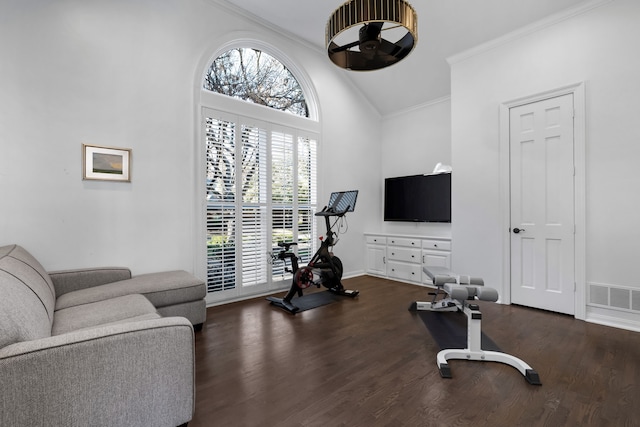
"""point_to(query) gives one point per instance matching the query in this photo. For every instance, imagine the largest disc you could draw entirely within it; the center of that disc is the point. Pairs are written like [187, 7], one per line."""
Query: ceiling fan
[371, 51]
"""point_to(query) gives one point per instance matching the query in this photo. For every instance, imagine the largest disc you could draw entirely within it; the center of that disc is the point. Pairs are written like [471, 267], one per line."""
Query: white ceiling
[445, 28]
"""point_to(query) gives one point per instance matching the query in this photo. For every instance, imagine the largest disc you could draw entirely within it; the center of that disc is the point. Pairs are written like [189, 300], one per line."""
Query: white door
[542, 204]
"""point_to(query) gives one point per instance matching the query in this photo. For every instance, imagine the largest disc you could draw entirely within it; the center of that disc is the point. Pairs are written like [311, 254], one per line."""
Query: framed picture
[105, 163]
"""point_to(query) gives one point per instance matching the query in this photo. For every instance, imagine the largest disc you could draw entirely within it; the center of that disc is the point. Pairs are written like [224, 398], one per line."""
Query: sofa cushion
[195, 311]
[162, 289]
[80, 278]
[19, 263]
[27, 297]
[115, 310]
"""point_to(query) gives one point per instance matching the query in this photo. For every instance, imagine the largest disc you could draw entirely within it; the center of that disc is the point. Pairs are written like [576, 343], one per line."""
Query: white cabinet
[376, 255]
[402, 257]
[435, 253]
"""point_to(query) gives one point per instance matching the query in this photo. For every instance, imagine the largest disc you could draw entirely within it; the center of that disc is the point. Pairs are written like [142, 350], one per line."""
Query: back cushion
[27, 297]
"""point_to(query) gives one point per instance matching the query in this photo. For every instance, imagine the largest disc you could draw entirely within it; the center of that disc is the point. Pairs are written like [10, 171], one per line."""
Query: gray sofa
[96, 346]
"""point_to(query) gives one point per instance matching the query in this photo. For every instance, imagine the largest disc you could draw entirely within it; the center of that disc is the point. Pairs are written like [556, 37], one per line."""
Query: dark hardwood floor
[369, 361]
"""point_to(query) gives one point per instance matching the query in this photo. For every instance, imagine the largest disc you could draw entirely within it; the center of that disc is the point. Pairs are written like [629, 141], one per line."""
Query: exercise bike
[324, 268]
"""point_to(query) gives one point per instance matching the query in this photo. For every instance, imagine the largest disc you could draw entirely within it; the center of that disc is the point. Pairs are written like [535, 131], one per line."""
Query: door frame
[579, 161]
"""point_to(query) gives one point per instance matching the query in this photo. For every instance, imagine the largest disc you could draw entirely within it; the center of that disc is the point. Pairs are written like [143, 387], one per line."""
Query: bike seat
[287, 245]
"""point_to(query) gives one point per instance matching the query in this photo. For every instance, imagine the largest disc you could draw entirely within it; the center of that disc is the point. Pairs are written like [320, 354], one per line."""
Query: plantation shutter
[221, 197]
[254, 205]
[307, 156]
[282, 197]
[260, 190]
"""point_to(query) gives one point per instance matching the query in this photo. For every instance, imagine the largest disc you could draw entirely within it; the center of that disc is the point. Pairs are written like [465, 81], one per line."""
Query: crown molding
[526, 30]
[240, 12]
[417, 107]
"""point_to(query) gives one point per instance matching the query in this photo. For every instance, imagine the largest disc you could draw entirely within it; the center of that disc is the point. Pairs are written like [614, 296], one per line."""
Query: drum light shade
[370, 51]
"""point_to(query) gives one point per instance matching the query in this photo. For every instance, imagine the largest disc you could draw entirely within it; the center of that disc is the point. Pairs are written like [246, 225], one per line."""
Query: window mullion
[296, 205]
[270, 243]
[238, 201]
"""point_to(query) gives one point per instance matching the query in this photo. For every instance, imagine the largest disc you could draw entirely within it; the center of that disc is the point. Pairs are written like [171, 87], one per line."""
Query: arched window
[255, 76]
[260, 172]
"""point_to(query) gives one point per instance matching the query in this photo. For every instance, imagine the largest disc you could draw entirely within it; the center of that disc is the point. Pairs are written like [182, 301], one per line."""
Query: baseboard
[281, 286]
[614, 318]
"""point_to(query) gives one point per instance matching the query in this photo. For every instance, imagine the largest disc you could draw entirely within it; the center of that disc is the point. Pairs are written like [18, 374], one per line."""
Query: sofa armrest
[72, 280]
[135, 374]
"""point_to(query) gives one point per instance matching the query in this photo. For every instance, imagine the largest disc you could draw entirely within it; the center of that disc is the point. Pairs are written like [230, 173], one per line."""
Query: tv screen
[418, 198]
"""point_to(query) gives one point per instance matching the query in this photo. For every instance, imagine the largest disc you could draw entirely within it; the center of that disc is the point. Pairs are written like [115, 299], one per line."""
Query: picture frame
[106, 163]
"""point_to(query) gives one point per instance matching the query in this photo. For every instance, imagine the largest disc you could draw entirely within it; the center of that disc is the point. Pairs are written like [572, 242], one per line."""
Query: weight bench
[457, 291]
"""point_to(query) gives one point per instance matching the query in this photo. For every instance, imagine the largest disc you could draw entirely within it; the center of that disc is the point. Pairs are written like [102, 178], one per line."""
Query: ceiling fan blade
[406, 42]
[356, 61]
[377, 24]
[370, 31]
[399, 49]
[387, 47]
[382, 59]
[335, 48]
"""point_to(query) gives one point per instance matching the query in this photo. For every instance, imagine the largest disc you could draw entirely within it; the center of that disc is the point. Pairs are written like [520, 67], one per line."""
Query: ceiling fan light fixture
[371, 51]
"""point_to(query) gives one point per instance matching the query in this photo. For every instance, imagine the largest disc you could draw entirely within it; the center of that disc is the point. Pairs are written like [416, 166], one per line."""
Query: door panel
[542, 204]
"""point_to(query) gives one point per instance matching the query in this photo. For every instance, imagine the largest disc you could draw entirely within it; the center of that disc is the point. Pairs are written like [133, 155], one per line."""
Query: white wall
[598, 48]
[123, 73]
[413, 142]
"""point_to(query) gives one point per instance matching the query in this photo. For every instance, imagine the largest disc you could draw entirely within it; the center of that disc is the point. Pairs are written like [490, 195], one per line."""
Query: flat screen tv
[418, 198]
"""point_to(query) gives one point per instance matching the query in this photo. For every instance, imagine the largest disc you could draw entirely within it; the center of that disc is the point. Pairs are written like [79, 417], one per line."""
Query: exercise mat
[449, 330]
[313, 300]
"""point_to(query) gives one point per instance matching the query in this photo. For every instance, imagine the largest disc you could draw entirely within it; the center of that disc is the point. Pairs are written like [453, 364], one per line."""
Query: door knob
[517, 230]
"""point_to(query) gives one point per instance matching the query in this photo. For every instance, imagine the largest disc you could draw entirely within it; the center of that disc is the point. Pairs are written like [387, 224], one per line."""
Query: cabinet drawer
[403, 254]
[376, 240]
[442, 245]
[403, 241]
[398, 270]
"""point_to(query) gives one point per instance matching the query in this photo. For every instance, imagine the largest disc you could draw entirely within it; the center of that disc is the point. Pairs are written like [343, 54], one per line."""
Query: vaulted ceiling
[445, 28]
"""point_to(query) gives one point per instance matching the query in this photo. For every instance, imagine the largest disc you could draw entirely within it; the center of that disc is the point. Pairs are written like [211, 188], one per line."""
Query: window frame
[302, 127]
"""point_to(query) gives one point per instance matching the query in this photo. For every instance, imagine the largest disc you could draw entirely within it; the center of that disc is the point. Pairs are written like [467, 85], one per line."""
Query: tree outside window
[257, 77]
